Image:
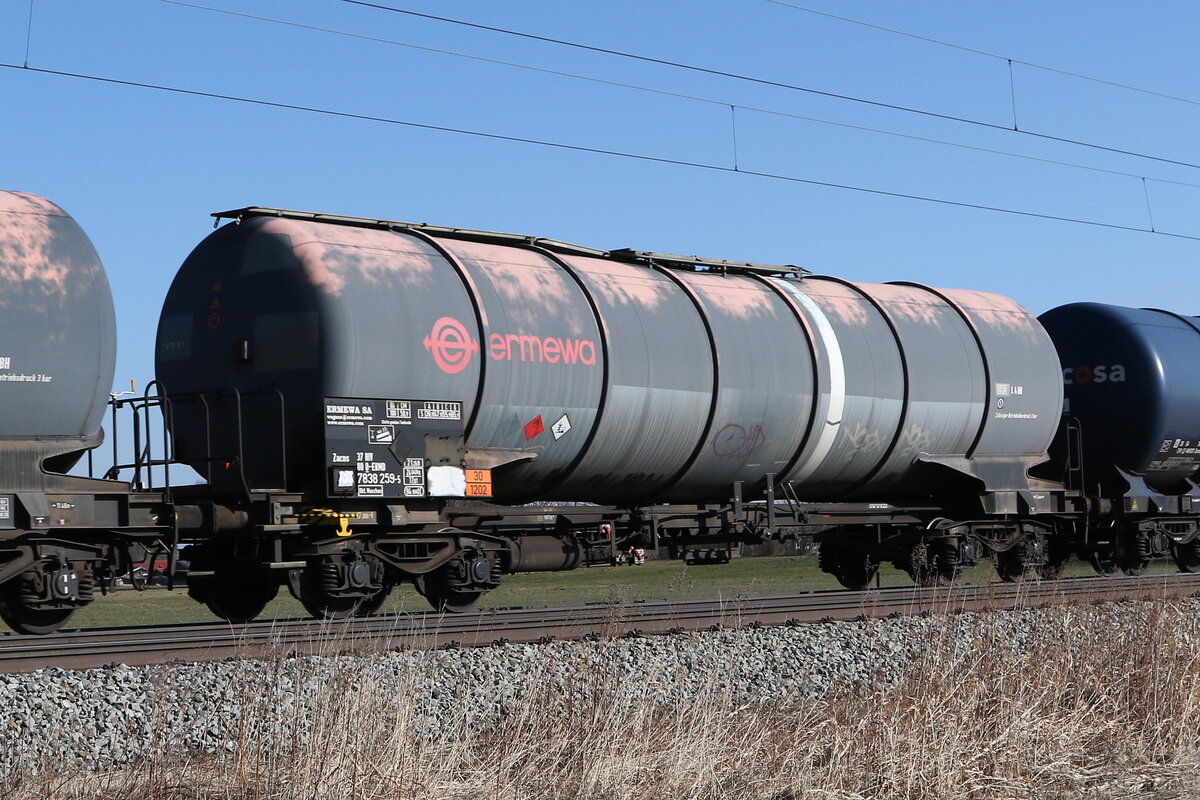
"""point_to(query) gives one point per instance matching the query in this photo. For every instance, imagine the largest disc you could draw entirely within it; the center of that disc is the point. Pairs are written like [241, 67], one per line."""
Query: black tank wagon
[621, 378]
[654, 379]
[371, 402]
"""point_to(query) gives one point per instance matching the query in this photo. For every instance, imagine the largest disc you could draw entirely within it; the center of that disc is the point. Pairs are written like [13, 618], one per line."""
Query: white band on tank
[837, 380]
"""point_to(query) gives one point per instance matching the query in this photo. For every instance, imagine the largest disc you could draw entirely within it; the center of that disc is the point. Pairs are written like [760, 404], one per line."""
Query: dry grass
[1114, 715]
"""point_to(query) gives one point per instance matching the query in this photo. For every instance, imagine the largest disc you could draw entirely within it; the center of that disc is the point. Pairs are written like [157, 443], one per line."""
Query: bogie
[43, 598]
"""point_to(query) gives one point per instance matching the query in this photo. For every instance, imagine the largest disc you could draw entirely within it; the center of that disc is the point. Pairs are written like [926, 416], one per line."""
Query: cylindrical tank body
[1132, 383]
[630, 384]
[57, 336]
[915, 375]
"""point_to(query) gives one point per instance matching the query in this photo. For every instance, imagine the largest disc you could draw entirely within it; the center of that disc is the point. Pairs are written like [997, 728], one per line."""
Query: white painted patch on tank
[446, 481]
[843, 302]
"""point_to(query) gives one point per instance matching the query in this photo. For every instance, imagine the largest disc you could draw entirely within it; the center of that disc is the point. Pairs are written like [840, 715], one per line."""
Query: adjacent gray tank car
[58, 335]
[615, 378]
[58, 329]
[57, 355]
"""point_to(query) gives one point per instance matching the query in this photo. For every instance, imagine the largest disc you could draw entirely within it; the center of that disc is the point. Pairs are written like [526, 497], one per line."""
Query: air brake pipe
[210, 518]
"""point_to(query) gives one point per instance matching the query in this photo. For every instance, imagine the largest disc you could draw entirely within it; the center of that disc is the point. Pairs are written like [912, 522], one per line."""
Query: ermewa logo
[452, 346]
[1097, 374]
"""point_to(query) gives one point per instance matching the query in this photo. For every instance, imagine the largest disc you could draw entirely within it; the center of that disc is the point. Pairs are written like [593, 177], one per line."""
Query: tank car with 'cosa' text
[371, 402]
[1131, 436]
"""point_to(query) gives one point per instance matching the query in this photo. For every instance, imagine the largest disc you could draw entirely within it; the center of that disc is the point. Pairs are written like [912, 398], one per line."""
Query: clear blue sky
[142, 169]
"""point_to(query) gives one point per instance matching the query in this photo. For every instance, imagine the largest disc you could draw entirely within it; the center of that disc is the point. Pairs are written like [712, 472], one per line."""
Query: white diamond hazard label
[560, 428]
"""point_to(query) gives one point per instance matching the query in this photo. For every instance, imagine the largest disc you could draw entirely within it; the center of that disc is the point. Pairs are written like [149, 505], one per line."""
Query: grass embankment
[659, 579]
[1096, 711]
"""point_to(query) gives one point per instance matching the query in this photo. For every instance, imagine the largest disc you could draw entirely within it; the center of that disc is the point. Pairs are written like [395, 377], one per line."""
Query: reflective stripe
[837, 381]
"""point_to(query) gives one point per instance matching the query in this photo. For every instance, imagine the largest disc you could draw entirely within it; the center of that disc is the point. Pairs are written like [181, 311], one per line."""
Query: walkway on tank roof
[641, 257]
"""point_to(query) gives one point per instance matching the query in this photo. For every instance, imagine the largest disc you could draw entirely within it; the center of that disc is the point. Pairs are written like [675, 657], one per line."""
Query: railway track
[135, 646]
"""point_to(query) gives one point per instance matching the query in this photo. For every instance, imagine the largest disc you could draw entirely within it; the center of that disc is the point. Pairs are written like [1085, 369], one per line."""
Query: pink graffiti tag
[734, 441]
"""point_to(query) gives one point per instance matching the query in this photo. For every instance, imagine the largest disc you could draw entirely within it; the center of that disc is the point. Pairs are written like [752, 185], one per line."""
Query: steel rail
[158, 644]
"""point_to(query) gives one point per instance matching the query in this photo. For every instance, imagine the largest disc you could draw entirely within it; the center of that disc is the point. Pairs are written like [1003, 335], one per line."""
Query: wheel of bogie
[1130, 560]
[233, 600]
[1057, 556]
[369, 605]
[25, 619]
[915, 561]
[306, 585]
[852, 568]
[19, 615]
[1011, 566]
[34, 621]
[435, 588]
[1187, 556]
[1131, 550]
[1103, 561]
[1135, 567]
[1018, 562]
[944, 568]
[931, 564]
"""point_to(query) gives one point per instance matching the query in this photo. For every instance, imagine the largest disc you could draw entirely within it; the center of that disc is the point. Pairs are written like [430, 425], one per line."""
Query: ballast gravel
[63, 720]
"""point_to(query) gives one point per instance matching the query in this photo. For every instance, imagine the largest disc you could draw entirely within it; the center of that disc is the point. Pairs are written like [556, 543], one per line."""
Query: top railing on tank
[155, 412]
[642, 258]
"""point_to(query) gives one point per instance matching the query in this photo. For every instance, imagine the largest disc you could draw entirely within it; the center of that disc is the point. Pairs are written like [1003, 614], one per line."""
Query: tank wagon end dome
[58, 328]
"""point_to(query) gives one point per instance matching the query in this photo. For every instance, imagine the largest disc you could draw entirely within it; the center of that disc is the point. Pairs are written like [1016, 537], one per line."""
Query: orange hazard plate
[479, 483]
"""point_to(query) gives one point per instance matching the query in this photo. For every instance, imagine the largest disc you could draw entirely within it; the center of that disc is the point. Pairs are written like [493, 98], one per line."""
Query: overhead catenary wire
[645, 157]
[976, 51]
[680, 95]
[775, 83]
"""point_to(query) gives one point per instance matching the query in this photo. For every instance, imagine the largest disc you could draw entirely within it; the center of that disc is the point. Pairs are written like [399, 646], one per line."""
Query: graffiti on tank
[861, 437]
[918, 440]
[736, 441]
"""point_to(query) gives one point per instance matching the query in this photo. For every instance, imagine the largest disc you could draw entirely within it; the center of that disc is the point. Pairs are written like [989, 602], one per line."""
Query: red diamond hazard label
[534, 427]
